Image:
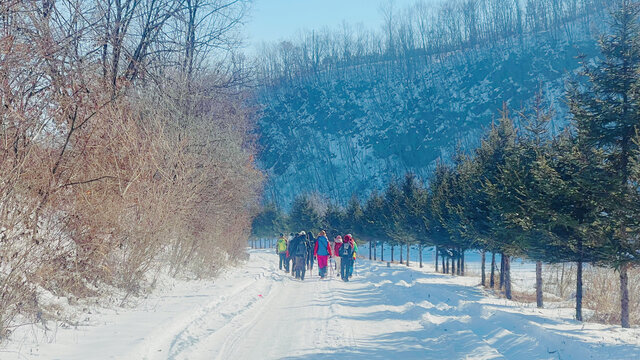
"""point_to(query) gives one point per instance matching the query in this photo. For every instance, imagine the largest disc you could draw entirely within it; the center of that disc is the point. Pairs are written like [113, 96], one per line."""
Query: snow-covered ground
[258, 312]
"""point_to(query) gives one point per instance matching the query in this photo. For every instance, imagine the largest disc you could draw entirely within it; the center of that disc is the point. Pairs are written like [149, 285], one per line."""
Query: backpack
[301, 250]
[346, 250]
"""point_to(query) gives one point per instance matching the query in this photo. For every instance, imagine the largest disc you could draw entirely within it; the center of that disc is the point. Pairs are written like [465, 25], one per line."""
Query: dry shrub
[601, 287]
[105, 183]
[601, 290]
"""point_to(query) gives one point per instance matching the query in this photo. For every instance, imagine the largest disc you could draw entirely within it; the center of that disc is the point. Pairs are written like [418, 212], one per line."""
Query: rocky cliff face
[349, 131]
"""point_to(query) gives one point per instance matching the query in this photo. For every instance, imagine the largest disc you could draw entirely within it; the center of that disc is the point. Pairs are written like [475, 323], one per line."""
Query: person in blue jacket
[322, 251]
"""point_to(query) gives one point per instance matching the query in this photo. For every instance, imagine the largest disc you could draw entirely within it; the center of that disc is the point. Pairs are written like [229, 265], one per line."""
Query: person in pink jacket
[322, 251]
[336, 252]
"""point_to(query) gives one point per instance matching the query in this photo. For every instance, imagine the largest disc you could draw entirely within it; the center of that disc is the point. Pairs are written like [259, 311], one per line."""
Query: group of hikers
[298, 252]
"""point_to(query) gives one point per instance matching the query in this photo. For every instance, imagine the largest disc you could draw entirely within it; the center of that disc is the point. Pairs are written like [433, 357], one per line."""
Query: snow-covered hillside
[348, 132]
[259, 312]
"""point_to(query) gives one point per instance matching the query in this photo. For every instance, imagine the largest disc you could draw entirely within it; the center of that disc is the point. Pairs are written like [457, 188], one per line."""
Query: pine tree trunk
[507, 277]
[408, 249]
[462, 262]
[436, 250]
[392, 248]
[401, 259]
[370, 254]
[453, 265]
[539, 284]
[382, 251]
[579, 292]
[459, 260]
[562, 281]
[493, 270]
[444, 266]
[579, 283]
[375, 250]
[501, 271]
[420, 248]
[624, 296]
[482, 268]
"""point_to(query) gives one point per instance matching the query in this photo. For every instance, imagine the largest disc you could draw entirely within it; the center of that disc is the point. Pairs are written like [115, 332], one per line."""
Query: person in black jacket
[311, 243]
[298, 250]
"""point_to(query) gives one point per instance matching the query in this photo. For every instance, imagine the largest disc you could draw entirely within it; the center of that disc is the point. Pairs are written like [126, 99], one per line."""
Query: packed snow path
[259, 312]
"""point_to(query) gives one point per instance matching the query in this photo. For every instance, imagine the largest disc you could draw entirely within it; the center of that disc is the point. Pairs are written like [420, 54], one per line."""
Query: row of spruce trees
[568, 196]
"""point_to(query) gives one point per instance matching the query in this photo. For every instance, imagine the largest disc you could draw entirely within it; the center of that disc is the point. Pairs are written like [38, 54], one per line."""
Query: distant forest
[424, 33]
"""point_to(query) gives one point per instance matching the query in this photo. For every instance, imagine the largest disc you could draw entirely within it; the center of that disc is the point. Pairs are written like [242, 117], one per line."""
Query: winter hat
[339, 239]
[348, 238]
[322, 233]
[303, 233]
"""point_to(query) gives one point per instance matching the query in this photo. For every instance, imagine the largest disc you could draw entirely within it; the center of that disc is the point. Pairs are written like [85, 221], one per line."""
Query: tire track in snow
[189, 343]
[186, 329]
[292, 338]
[162, 340]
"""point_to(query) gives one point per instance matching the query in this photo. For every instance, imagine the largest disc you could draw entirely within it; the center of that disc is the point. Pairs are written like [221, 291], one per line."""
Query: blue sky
[274, 20]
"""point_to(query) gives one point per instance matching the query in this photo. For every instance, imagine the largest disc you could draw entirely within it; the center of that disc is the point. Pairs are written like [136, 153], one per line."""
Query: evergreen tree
[606, 111]
[463, 205]
[574, 180]
[414, 209]
[268, 223]
[353, 217]
[304, 215]
[471, 209]
[397, 227]
[493, 153]
[334, 220]
[417, 209]
[373, 221]
[535, 146]
[519, 195]
[440, 187]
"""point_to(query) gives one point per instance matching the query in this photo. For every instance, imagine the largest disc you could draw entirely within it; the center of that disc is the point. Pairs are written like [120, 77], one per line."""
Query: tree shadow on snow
[451, 324]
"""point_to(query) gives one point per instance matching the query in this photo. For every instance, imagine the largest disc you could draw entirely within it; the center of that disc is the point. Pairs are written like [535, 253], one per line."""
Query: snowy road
[258, 312]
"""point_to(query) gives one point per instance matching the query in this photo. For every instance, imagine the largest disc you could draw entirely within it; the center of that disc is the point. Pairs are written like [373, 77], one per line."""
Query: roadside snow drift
[259, 312]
